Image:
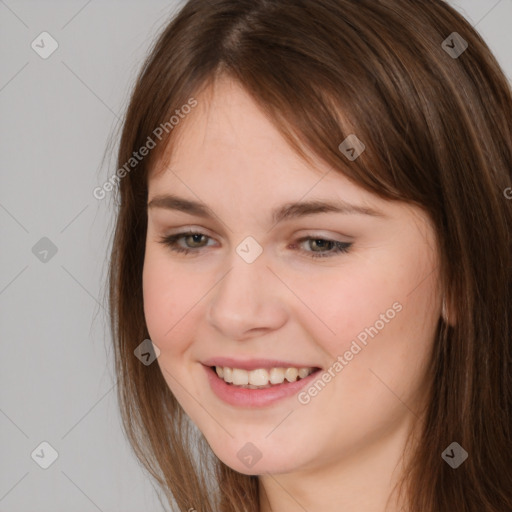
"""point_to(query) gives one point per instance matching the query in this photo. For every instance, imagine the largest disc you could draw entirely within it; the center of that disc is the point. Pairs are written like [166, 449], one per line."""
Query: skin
[342, 450]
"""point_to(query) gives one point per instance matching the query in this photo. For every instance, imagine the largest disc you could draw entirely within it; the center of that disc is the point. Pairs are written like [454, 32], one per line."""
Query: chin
[248, 460]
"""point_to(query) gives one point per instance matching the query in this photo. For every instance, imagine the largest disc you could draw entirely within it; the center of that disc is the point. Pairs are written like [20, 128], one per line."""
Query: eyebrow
[284, 212]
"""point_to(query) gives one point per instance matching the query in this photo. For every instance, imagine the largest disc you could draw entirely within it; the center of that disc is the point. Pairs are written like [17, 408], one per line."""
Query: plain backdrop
[59, 117]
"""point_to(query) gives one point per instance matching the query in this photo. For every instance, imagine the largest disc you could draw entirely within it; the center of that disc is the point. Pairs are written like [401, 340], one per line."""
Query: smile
[260, 378]
[257, 387]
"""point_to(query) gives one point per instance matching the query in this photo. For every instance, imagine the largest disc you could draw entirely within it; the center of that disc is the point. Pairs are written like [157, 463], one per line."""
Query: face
[351, 294]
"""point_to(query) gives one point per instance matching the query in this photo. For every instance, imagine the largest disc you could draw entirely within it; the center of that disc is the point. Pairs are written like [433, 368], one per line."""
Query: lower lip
[244, 397]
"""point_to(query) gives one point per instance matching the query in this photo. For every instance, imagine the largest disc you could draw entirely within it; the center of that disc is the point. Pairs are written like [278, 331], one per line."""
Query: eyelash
[170, 241]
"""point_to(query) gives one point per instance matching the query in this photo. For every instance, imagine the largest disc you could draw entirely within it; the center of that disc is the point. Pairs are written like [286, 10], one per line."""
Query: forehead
[225, 126]
[228, 152]
[227, 140]
[228, 156]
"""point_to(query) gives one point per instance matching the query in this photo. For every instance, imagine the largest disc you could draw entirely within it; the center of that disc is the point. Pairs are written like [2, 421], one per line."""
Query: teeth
[276, 375]
[304, 372]
[261, 378]
[228, 374]
[258, 377]
[291, 374]
[240, 377]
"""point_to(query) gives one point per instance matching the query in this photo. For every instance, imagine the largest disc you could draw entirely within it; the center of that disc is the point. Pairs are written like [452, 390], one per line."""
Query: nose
[248, 301]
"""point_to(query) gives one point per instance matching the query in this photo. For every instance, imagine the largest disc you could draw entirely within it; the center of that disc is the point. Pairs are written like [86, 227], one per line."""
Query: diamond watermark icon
[44, 45]
[147, 352]
[249, 455]
[44, 455]
[44, 250]
[454, 45]
[454, 455]
[352, 147]
[249, 249]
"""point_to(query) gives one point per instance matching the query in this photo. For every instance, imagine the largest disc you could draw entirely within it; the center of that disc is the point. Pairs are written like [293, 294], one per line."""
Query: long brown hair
[437, 126]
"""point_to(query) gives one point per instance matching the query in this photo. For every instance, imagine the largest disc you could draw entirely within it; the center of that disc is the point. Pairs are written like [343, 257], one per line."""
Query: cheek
[381, 316]
[354, 302]
[168, 299]
[168, 296]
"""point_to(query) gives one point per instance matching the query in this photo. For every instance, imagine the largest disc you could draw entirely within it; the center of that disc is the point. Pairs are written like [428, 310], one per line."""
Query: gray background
[58, 125]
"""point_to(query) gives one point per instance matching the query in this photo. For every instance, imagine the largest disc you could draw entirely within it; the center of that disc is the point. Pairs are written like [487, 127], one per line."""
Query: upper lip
[253, 364]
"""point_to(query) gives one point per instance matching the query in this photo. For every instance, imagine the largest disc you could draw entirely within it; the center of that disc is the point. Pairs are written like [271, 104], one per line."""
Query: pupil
[321, 243]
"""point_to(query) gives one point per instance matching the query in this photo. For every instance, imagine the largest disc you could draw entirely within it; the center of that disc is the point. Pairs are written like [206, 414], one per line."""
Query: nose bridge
[245, 298]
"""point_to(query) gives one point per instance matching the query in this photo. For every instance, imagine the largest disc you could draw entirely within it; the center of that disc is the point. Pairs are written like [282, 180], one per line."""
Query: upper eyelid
[306, 233]
[298, 239]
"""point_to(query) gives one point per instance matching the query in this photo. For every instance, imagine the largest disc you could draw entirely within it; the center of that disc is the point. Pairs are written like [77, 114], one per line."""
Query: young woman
[314, 231]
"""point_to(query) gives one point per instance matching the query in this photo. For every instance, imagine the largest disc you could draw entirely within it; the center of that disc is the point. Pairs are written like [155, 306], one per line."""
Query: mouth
[261, 378]
[257, 383]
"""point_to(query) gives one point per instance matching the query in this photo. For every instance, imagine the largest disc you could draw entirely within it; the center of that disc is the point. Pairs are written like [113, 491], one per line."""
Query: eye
[322, 248]
[193, 237]
[326, 244]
